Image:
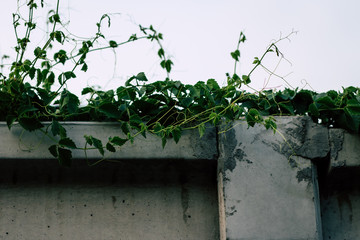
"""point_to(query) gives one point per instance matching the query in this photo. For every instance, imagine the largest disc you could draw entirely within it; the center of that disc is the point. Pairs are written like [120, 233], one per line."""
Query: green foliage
[164, 108]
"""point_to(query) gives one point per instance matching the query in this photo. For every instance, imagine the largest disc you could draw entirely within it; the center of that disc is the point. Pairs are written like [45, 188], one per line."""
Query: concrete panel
[345, 150]
[340, 204]
[268, 191]
[139, 199]
[20, 144]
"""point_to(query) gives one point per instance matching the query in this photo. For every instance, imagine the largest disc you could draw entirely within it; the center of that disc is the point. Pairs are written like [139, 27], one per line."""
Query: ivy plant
[34, 92]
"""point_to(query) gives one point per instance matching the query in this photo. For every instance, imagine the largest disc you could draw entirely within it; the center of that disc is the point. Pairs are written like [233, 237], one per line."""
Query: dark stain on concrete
[336, 142]
[344, 201]
[185, 202]
[240, 155]
[229, 145]
[206, 147]
[113, 200]
[184, 196]
[304, 175]
[231, 212]
[292, 163]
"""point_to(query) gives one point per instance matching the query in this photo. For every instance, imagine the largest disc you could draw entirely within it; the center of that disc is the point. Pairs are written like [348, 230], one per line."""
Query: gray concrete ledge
[20, 144]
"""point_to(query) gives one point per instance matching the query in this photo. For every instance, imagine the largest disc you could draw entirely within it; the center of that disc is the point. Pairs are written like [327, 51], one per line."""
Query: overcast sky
[199, 36]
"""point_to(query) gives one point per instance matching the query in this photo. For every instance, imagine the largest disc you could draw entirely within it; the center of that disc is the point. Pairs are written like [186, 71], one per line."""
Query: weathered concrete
[267, 185]
[340, 187]
[268, 191]
[20, 144]
[138, 199]
[340, 203]
[345, 149]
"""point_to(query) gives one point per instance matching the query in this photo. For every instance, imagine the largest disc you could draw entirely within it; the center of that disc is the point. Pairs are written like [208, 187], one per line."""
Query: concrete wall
[269, 192]
[167, 199]
[148, 193]
[340, 187]
[246, 183]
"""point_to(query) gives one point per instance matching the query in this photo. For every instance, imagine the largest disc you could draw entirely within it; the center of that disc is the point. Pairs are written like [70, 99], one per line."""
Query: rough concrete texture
[140, 199]
[316, 142]
[267, 186]
[345, 149]
[341, 216]
[268, 193]
[340, 204]
[20, 144]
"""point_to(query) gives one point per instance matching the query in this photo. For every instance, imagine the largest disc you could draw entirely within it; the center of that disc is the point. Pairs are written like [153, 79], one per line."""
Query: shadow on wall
[130, 199]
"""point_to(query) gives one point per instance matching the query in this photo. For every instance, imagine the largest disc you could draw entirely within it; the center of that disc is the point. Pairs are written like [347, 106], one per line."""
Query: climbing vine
[34, 91]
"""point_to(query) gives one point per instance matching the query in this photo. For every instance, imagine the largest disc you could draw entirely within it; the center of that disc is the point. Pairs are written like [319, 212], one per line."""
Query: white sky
[199, 36]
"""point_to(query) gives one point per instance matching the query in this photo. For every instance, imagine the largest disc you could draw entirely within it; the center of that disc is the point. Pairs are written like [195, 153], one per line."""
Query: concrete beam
[20, 144]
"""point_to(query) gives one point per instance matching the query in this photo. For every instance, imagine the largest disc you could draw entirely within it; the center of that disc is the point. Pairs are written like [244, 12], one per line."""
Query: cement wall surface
[158, 199]
[242, 184]
[340, 188]
[268, 189]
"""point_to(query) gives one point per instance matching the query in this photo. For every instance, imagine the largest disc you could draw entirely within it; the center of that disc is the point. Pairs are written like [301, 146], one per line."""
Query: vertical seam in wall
[317, 201]
[220, 190]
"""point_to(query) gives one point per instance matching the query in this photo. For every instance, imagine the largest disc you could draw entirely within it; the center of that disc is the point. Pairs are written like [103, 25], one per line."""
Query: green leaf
[32, 72]
[53, 150]
[141, 77]
[118, 141]
[84, 67]
[176, 133]
[246, 79]
[64, 157]
[61, 56]
[166, 64]
[87, 90]
[30, 124]
[88, 140]
[288, 107]
[157, 128]
[325, 102]
[235, 55]
[313, 110]
[10, 119]
[113, 44]
[69, 101]
[69, 74]
[49, 81]
[253, 117]
[256, 60]
[161, 53]
[302, 100]
[212, 84]
[270, 124]
[186, 102]
[39, 77]
[125, 128]
[110, 147]
[163, 141]
[58, 129]
[67, 142]
[59, 36]
[98, 144]
[353, 107]
[201, 129]
[194, 92]
[110, 110]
